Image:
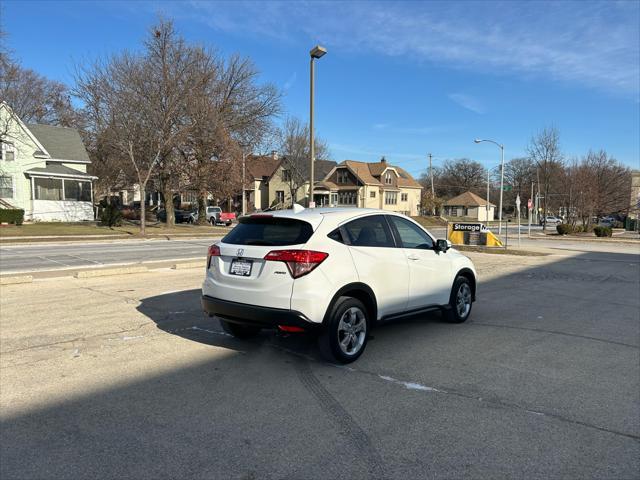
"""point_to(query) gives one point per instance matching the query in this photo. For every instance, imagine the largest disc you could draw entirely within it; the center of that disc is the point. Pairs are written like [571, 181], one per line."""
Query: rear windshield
[269, 231]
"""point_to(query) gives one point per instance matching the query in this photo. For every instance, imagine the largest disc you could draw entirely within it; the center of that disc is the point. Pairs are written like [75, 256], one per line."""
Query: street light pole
[488, 207]
[316, 52]
[433, 196]
[244, 200]
[477, 140]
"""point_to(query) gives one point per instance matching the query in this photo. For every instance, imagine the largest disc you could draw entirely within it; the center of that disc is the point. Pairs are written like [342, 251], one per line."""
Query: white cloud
[290, 81]
[589, 43]
[468, 102]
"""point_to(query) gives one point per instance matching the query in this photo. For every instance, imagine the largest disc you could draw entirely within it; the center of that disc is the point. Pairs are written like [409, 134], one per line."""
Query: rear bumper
[264, 317]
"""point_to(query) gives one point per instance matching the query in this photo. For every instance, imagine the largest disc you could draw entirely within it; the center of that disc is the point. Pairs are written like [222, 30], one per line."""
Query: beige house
[369, 185]
[259, 170]
[288, 180]
[469, 205]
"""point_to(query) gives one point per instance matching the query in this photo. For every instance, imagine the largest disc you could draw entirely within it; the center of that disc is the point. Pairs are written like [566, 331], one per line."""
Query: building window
[6, 186]
[347, 198]
[372, 194]
[343, 176]
[77, 190]
[391, 198]
[404, 197]
[280, 196]
[8, 151]
[388, 179]
[48, 188]
[334, 199]
[286, 176]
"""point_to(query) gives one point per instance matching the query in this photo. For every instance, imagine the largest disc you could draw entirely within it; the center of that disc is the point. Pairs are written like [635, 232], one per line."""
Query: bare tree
[135, 104]
[600, 186]
[229, 112]
[544, 151]
[293, 144]
[459, 176]
[519, 173]
[33, 97]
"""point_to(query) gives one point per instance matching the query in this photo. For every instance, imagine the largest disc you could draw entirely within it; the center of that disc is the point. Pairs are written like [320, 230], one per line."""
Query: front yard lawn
[41, 229]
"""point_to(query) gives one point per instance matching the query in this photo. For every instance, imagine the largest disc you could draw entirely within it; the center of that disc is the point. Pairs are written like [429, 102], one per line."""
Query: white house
[43, 170]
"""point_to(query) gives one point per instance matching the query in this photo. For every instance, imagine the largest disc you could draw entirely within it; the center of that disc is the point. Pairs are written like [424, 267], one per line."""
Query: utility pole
[433, 196]
[488, 208]
[501, 186]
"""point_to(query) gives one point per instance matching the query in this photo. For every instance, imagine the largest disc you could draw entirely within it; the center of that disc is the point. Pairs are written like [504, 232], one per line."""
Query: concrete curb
[186, 265]
[103, 272]
[16, 279]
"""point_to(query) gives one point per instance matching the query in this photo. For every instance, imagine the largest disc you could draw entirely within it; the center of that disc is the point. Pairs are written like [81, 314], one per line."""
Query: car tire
[212, 221]
[229, 224]
[239, 331]
[460, 301]
[345, 335]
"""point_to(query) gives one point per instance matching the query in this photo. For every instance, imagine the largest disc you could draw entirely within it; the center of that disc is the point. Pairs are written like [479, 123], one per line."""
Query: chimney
[274, 154]
[383, 160]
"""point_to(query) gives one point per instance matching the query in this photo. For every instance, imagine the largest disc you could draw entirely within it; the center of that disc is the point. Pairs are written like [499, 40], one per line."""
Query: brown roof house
[260, 169]
[369, 185]
[469, 205]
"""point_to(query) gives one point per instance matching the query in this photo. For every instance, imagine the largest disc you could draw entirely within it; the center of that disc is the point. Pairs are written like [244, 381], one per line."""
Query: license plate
[240, 267]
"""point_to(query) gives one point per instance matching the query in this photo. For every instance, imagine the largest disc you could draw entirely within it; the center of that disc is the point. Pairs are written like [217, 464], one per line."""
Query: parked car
[337, 272]
[607, 222]
[181, 216]
[215, 215]
[550, 220]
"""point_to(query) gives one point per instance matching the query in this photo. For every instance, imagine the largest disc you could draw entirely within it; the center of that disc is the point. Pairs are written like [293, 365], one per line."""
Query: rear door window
[371, 231]
[269, 231]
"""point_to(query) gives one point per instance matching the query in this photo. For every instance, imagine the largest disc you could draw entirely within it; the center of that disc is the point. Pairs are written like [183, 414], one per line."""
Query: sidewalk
[618, 237]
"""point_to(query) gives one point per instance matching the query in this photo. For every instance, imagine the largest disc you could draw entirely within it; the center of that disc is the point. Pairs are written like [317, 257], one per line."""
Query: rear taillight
[214, 251]
[299, 262]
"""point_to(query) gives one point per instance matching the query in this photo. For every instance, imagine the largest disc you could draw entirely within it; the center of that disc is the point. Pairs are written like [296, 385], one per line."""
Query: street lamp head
[317, 51]
[477, 140]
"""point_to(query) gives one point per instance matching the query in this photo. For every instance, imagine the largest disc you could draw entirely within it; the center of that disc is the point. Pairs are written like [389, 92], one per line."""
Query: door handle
[413, 257]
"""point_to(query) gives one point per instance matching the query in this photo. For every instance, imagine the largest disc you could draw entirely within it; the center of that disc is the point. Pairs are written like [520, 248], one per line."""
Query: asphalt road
[124, 377]
[34, 257]
[53, 256]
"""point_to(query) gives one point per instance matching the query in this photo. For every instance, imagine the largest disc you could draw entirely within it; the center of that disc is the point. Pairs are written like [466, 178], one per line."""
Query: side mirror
[443, 245]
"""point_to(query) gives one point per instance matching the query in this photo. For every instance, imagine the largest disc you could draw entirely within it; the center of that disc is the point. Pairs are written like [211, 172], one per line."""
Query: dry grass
[91, 229]
[430, 221]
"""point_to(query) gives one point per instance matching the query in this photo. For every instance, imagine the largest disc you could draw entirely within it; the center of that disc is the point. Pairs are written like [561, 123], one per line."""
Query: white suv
[335, 271]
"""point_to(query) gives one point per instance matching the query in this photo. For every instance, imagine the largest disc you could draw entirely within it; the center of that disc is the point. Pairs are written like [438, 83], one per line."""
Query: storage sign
[469, 227]
[468, 233]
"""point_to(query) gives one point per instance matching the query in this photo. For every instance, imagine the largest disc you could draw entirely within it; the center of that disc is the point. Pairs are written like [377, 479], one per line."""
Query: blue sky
[400, 79]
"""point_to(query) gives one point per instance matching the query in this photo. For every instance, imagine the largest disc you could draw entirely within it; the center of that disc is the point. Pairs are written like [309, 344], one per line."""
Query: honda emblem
[240, 252]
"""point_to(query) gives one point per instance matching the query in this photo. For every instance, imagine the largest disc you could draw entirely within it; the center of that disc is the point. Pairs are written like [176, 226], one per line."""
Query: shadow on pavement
[542, 382]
